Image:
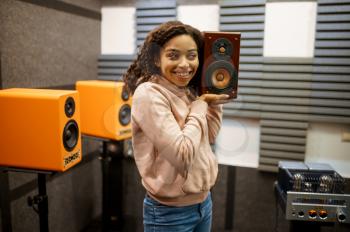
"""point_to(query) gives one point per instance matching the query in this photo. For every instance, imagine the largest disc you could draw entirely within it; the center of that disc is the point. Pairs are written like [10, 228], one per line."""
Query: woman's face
[179, 60]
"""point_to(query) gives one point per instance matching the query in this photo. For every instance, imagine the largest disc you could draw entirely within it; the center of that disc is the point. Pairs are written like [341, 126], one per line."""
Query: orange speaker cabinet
[105, 109]
[221, 63]
[39, 129]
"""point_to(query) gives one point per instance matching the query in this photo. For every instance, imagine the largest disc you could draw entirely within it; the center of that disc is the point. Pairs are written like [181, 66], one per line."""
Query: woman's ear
[157, 62]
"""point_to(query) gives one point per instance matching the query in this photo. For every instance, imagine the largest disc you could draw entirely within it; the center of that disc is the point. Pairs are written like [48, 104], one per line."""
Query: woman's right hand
[215, 99]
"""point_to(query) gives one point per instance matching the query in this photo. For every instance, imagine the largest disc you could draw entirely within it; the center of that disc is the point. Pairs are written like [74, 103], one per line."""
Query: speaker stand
[42, 203]
[5, 201]
[112, 189]
[39, 202]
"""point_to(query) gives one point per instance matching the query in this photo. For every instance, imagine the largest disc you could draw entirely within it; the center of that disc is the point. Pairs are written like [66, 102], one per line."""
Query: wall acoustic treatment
[287, 93]
[330, 97]
[248, 18]
[284, 110]
[112, 67]
[150, 14]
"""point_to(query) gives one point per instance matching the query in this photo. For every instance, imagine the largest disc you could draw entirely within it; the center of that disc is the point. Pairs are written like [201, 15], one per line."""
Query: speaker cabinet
[105, 109]
[221, 63]
[39, 129]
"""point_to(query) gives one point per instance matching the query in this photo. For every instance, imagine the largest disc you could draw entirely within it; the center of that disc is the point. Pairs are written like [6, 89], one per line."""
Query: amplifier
[312, 192]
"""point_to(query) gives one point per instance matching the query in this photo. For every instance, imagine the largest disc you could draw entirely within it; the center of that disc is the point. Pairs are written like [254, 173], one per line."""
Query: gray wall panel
[284, 124]
[113, 67]
[333, 35]
[242, 27]
[330, 77]
[286, 76]
[285, 116]
[279, 139]
[242, 113]
[332, 61]
[246, 17]
[254, 10]
[330, 2]
[242, 19]
[333, 44]
[155, 4]
[153, 20]
[333, 27]
[332, 18]
[37, 52]
[282, 154]
[311, 92]
[333, 8]
[333, 52]
[150, 14]
[281, 147]
[242, 3]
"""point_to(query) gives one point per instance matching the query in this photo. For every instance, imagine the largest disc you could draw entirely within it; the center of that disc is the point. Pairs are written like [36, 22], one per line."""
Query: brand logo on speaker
[71, 158]
[124, 132]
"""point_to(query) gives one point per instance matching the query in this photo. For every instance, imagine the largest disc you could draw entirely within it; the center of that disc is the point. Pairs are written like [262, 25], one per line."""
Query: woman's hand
[215, 99]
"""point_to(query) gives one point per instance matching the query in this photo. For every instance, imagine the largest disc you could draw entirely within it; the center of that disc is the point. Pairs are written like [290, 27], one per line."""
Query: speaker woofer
[70, 135]
[125, 114]
[69, 107]
[220, 77]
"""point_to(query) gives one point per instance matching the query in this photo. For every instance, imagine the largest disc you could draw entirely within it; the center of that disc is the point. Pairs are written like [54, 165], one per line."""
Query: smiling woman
[173, 128]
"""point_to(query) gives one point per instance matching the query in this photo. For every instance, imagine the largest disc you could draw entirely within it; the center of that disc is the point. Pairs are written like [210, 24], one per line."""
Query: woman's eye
[173, 56]
[192, 56]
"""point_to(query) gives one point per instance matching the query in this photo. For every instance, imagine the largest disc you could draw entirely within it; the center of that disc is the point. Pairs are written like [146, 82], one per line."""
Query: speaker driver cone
[222, 49]
[125, 94]
[220, 77]
[125, 114]
[69, 107]
[70, 135]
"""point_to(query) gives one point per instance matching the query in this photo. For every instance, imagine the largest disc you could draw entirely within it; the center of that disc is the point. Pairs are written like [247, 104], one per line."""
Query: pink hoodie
[171, 141]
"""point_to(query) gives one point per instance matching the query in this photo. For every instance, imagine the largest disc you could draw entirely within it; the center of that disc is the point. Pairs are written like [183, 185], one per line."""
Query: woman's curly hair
[144, 66]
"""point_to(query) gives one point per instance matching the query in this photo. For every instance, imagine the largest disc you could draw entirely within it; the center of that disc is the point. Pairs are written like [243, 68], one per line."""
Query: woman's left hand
[216, 99]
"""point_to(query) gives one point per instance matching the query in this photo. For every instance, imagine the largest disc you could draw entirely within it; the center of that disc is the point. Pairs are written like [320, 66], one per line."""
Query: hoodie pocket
[200, 175]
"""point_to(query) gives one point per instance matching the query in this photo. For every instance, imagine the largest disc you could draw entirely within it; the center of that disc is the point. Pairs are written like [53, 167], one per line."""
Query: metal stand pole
[43, 204]
[5, 202]
[105, 160]
[112, 190]
[41, 200]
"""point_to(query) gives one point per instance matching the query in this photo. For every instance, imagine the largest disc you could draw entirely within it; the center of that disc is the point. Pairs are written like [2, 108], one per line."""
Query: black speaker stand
[112, 189]
[42, 203]
[39, 202]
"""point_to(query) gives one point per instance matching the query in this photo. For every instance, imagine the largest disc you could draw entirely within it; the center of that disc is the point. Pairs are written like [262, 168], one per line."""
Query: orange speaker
[105, 109]
[221, 63]
[39, 129]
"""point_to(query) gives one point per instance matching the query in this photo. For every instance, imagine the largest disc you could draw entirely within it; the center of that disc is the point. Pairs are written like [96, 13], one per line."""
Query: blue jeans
[162, 218]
